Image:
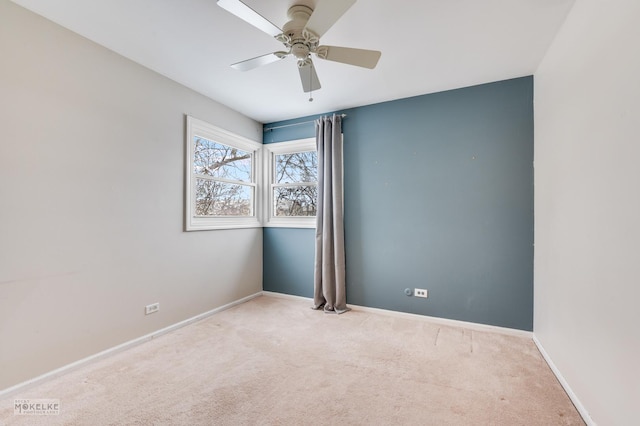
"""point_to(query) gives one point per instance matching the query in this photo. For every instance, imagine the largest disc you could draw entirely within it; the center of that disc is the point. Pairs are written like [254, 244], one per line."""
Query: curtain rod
[295, 124]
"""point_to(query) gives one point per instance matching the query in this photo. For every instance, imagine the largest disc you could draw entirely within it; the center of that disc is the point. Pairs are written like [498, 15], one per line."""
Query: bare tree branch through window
[295, 189]
[222, 173]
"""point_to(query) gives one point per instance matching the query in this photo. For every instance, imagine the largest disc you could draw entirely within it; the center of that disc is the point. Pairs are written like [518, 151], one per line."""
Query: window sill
[290, 223]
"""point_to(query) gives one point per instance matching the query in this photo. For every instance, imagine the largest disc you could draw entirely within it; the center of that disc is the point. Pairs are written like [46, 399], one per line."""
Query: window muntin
[221, 178]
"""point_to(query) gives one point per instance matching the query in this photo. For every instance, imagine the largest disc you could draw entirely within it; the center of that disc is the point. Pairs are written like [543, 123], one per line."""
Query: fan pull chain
[310, 82]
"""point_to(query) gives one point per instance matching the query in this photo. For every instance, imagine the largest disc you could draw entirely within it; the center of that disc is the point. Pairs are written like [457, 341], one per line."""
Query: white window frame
[208, 131]
[270, 151]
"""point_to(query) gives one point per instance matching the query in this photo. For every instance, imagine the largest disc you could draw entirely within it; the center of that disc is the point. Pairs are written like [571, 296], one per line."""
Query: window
[291, 184]
[221, 172]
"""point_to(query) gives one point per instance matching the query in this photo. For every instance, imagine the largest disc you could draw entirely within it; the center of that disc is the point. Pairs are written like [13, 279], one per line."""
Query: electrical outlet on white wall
[152, 308]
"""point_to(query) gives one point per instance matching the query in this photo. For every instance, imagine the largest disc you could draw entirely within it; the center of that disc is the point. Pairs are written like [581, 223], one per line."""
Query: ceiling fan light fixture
[300, 50]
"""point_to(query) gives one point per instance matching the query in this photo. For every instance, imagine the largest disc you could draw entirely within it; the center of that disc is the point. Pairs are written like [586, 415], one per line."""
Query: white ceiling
[427, 46]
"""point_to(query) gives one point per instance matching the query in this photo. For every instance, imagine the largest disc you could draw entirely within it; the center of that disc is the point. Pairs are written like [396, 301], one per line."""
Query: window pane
[223, 199]
[297, 167]
[295, 200]
[220, 161]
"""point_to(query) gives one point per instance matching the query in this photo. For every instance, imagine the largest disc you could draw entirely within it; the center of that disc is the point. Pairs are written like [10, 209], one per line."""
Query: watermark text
[36, 407]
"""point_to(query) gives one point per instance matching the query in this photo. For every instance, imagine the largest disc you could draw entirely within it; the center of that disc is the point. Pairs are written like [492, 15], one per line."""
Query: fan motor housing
[298, 15]
[300, 50]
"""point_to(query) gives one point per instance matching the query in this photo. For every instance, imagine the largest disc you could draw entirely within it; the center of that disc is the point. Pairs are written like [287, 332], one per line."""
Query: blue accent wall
[438, 195]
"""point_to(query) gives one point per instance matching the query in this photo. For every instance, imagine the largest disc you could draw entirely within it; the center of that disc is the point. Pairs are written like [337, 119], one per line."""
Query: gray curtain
[329, 276]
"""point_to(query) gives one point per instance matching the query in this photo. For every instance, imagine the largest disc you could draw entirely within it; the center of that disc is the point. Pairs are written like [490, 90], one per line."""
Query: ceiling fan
[301, 37]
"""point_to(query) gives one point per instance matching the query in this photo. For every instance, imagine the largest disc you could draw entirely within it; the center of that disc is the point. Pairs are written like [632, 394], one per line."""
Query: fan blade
[326, 13]
[249, 15]
[309, 78]
[346, 55]
[250, 64]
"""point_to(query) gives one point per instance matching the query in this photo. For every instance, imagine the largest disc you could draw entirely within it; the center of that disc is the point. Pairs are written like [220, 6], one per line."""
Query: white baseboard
[436, 320]
[13, 390]
[286, 296]
[574, 398]
[448, 322]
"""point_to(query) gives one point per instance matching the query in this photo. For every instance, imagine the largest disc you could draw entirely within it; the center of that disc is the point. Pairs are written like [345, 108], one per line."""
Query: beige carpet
[274, 361]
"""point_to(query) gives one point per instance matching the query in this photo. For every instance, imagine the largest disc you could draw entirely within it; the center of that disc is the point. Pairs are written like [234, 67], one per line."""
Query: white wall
[587, 207]
[91, 201]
